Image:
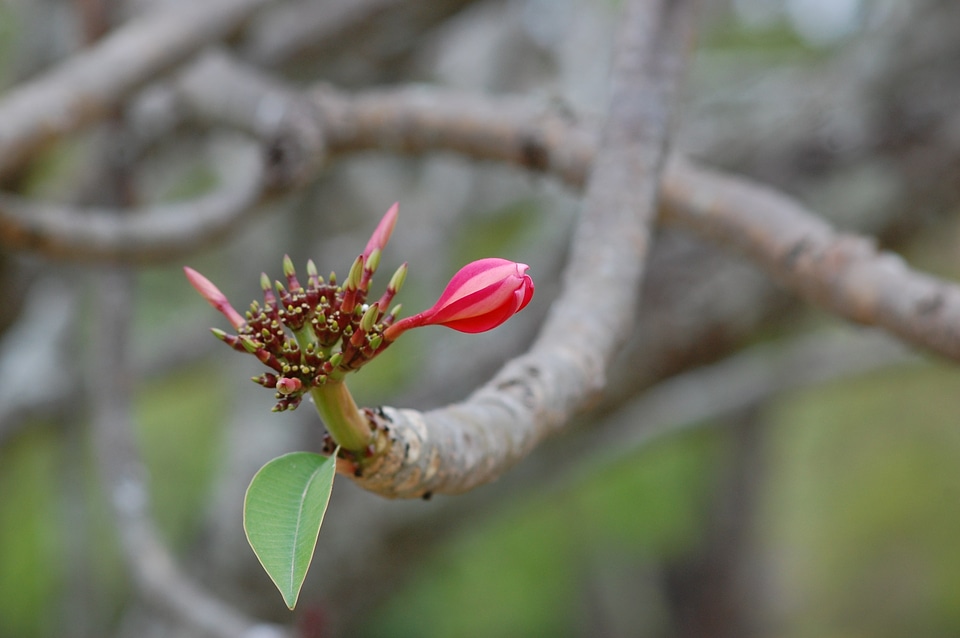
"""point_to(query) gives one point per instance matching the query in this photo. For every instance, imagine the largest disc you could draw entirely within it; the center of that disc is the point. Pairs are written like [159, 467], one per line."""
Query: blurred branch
[414, 121]
[704, 396]
[153, 568]
[457, 448]
[295, 29]
[843, 273]
[151, 234]
[216, 91]
[85, 87]
[840, 272]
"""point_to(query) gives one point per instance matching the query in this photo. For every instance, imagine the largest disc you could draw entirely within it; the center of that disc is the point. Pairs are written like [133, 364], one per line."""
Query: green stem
[346, 424]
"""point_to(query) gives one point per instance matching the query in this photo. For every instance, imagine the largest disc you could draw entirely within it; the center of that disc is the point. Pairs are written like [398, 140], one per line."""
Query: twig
[457, 448]
[86, 86]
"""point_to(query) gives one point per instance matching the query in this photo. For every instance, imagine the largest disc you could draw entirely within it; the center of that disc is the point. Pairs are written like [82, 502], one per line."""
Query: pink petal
[479, 274]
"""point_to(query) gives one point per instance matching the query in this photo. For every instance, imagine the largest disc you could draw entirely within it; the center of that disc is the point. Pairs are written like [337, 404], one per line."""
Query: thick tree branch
[457, 448]
[85, 87]
[843, 273]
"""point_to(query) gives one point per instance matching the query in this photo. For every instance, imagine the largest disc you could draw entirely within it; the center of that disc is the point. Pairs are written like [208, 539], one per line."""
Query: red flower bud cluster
[335, 330]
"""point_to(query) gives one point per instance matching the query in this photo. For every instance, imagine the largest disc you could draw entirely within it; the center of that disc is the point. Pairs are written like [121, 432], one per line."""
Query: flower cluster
[336, 330]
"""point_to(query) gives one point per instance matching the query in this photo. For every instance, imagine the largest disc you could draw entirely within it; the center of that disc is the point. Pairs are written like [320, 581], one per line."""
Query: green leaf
[282, 513]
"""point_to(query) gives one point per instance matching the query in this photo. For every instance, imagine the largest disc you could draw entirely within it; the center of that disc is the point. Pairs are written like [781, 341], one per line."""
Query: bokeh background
[757, 467]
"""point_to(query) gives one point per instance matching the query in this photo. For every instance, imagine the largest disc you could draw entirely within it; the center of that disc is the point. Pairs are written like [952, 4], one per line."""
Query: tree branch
[322, 29]
[151, 234]
[843, 273]
[457, 448]
[417, 121]
[84, 88]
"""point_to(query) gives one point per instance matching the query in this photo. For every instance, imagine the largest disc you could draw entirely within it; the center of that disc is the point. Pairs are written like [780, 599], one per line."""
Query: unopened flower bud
[249, 344]
[393, 314]
[290, 273]
[214, 297]
[396, 283]
[269, 298]
[315, 279]
[231, 340]
[383, 231]
[266, 379]
[351, 285]
[369, 318]
[353, 277]
[287, 385]
[370, 265]
[481, 296]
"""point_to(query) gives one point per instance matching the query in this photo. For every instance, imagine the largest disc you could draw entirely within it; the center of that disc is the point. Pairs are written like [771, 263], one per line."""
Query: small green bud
[369, 318]
[290, 273]
[356, 273]
[288, 269]
[396, 282]
[249, 344]
[375, 342]
[336, 359]
[373, 261]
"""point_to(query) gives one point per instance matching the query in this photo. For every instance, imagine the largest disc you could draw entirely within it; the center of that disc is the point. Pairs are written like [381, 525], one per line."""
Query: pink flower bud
[480, 297]
[213, 296]
[383, 231]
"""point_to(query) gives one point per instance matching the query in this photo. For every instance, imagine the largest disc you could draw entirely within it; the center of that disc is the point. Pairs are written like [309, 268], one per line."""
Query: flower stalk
[339, 412]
